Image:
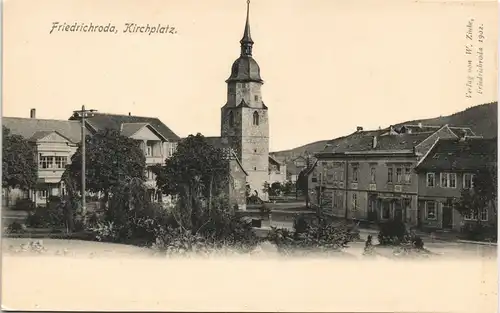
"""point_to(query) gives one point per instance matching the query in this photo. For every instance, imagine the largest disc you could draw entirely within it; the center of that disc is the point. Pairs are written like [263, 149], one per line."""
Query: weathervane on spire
[247, 42]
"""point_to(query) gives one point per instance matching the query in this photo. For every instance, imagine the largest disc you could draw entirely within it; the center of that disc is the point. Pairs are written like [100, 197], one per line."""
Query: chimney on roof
[33, 113]
[129, 114]
[359, 128]
[374, 145]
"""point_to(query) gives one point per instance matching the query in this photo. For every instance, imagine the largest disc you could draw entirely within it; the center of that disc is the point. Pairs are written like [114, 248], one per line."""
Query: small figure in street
[368, 246]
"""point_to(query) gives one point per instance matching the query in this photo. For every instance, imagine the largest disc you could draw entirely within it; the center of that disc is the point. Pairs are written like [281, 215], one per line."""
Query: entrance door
[372, 208]
[398, 211]
[447, 215]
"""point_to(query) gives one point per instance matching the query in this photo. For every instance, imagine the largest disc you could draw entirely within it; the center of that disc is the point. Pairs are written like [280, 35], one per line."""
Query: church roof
[221, 143]
[245, 68]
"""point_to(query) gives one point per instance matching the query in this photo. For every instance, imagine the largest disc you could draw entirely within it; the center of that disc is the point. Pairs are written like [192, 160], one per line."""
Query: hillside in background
[482, 119]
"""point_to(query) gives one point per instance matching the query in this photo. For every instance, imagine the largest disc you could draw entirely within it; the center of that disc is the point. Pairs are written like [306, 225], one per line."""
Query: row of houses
[55, 141]
[411, 173]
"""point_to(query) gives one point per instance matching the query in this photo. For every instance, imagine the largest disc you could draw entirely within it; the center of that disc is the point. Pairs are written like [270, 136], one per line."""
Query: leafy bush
[15, 228]
[46, 217]
[392, 232]
[417, 242]
[181, 241]
[479, 232]
[24, 205]
[300, 224]
[323, 236]
[106, 231]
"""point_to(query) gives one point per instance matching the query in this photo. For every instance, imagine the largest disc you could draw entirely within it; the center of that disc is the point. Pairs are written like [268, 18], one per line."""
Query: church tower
[244, 117]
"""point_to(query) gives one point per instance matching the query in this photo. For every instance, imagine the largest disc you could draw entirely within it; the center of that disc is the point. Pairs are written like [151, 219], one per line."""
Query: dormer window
[255, 118]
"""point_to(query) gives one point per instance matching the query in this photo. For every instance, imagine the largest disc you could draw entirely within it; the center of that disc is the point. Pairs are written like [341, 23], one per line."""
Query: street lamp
[82, 114]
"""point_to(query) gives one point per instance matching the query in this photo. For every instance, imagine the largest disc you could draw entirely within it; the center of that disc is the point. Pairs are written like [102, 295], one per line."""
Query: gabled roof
[114, 121]
[362, 141]
[44, 133]
[221, 143]
[130, 129]
[468, 154]
[27, 127]
[273, 159]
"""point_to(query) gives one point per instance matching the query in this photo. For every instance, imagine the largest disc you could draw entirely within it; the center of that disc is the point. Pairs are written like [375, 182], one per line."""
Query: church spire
[246, 42]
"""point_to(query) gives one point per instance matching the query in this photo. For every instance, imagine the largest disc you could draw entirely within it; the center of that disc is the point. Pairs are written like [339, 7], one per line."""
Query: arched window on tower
[255, 118]
[231, 118]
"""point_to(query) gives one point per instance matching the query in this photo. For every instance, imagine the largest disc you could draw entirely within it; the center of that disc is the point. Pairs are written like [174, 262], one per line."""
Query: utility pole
[82, 113]
[320, 204]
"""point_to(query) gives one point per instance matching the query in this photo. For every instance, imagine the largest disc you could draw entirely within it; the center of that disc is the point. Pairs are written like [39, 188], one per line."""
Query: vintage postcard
[237, 155]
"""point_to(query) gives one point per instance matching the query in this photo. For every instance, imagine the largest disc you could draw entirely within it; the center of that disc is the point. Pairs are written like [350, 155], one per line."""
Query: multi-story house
[297, 165]
[444, 173]
[156, 139]
[277, 171]
[54, 142]
[369, 175]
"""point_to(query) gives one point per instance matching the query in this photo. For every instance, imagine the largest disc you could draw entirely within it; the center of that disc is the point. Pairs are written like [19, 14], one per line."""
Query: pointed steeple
[246, 42]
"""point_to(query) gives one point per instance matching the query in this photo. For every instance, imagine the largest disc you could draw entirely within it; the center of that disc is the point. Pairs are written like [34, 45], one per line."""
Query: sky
[328, 65]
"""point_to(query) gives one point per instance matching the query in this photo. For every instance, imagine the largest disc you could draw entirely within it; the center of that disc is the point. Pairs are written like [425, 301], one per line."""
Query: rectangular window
[399, 175]
[149, 174]
[431, 179]
[354, 201]
[452, 180]
[448, 180]
[430, 210]
[61, 161]
[373, 171]
[329, 176]
[149, 150]
[42, 194]
[472, 216]
[468, 181]
[483, 215]
[355, 173]
[389, 174]
[407, 175]
[46, 161]
[172, 147]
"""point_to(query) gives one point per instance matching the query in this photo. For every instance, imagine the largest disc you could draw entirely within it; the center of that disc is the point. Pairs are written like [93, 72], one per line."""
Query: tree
[196, 173]
[287, 187]
[266, 187]
[302, 184]
[275, 189]
[482, 195]
[19, 167]
[110, 159]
